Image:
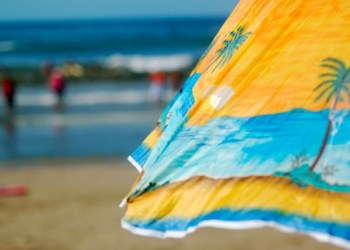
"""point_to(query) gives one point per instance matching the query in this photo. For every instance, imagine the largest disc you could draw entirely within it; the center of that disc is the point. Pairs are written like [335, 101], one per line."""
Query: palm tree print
[206, 52]
[335, 87]
[230, 46]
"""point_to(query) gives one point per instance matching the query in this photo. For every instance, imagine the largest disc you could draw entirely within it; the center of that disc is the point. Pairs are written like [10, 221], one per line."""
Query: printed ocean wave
[241, 219]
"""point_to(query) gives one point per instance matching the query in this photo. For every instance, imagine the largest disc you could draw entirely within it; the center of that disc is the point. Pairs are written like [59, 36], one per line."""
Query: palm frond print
[335, 83]
[230, 46]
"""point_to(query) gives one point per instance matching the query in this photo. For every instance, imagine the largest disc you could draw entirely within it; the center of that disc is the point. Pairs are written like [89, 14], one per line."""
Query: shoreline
[79, 72]
[52, 162]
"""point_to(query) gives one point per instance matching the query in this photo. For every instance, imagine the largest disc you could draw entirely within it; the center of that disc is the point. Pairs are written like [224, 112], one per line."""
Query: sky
[85, 9]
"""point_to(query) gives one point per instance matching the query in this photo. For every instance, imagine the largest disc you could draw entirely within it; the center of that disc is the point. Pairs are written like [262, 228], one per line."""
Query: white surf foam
[86, 99]
[142, 63]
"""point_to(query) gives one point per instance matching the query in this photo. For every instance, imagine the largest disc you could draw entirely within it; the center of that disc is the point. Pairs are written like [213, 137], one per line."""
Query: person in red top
[57, 83]
[9, 91]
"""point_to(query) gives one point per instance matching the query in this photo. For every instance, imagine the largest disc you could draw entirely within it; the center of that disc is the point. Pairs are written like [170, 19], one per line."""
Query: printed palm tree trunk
[328, 132]
[334, 86]
[323, 147]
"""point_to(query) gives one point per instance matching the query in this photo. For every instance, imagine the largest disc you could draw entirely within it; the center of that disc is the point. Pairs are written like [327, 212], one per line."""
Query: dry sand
[74, 205]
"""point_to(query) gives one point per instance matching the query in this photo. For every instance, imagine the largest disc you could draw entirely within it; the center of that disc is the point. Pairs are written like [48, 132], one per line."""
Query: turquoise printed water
[258, 146]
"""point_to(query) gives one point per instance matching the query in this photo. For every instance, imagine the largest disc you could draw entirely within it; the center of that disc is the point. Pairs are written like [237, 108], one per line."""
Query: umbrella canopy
[260, 133]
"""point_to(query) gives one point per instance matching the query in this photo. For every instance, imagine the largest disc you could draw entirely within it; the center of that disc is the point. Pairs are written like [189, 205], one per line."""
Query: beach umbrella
[260, 133]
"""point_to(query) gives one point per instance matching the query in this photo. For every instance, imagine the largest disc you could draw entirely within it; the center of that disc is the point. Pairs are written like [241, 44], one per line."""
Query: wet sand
[74, 205]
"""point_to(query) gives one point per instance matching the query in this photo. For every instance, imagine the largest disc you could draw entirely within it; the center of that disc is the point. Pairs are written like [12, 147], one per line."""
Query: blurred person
[9, 91]
[46, 68]
[157, 82]
[57, 85]
[93, 70]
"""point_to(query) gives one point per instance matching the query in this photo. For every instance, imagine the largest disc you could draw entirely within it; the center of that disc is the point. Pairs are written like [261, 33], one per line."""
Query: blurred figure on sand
[175, 79]
[157, 81]
[57, 85]
[9, 91]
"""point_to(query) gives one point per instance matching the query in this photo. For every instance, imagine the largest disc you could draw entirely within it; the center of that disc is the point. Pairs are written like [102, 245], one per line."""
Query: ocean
[99, 119]
[105, 119]
[97, 41]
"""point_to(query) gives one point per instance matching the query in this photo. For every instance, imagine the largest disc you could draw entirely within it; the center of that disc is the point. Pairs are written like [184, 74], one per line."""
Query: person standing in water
[9, 91]
[57, 84]
[157, 87]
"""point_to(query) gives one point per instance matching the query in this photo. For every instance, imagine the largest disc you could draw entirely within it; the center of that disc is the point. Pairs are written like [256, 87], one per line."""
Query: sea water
[98, 119]
[97, 41]
[106, 119]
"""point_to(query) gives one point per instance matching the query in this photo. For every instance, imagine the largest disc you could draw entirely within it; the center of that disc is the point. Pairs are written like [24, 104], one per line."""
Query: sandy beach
[73, 204]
